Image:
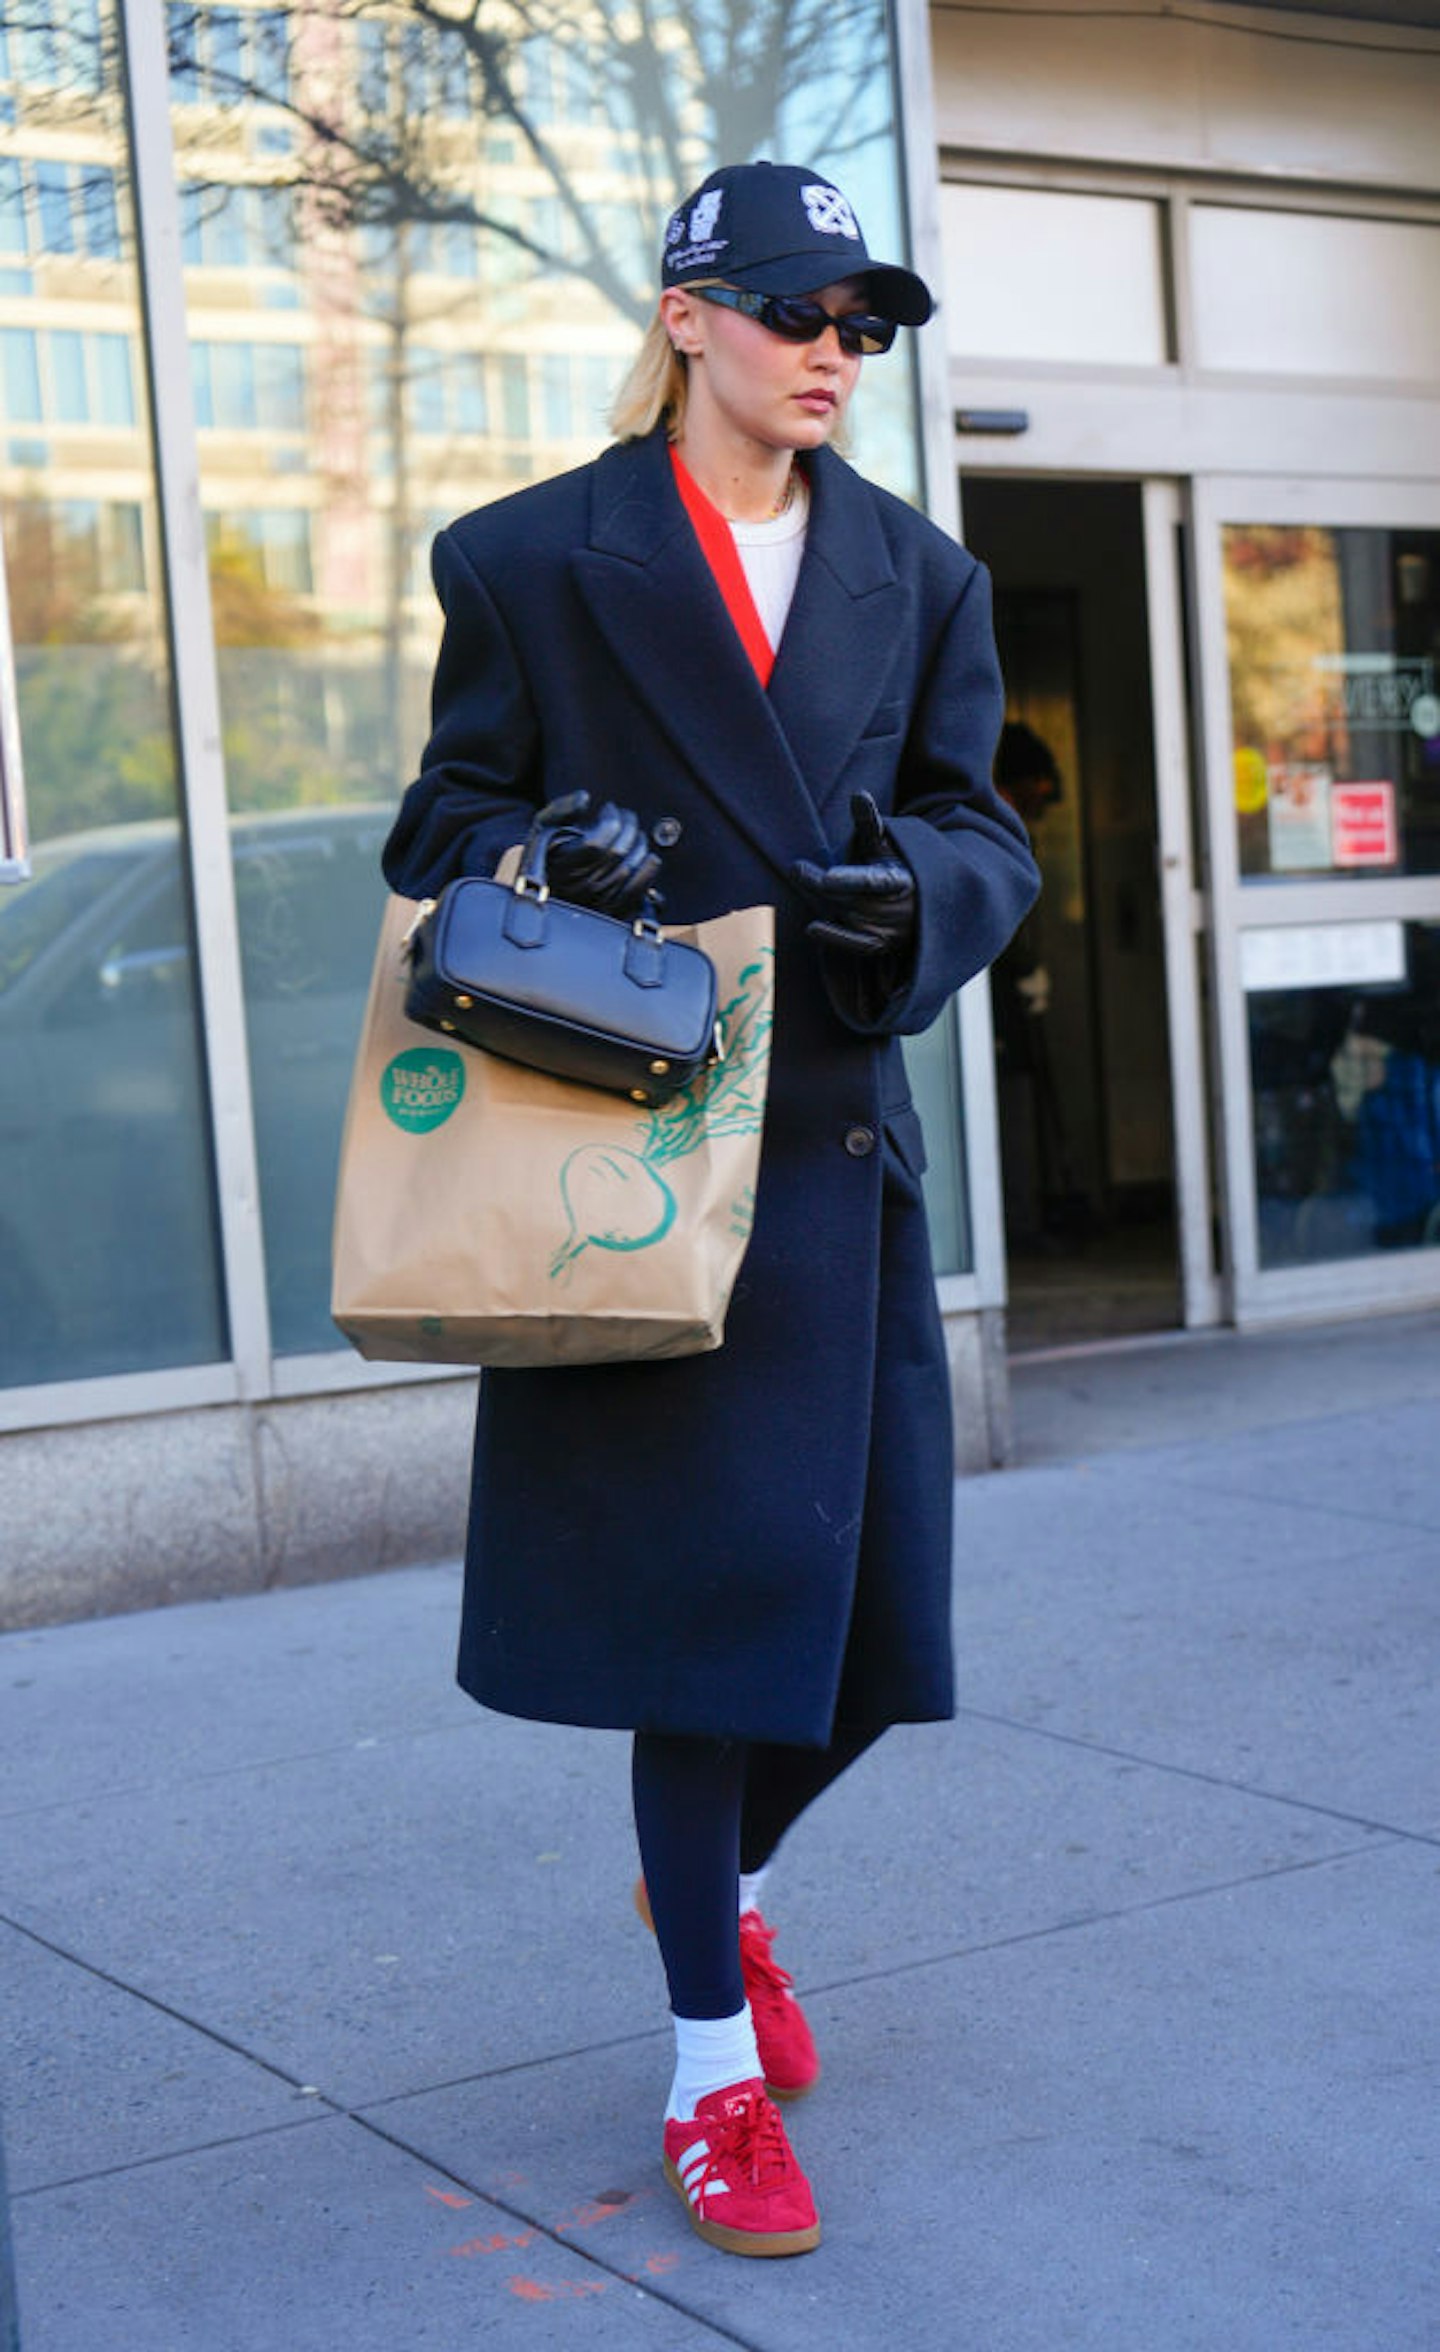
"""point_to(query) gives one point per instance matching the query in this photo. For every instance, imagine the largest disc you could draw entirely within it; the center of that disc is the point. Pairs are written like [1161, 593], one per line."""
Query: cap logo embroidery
[827, 210]
[675, 230]
[704, 214]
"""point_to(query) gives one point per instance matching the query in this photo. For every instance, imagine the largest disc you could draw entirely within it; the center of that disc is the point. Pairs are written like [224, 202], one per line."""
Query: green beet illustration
[617, 1199]
[613, 1200]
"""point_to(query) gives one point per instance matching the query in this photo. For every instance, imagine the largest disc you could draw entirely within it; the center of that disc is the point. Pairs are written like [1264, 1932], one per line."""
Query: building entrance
[1082, 1049]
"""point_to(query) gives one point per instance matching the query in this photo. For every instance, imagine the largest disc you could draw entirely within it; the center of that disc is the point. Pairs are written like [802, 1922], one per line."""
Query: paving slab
[365, 1919]
[1287, 1649]
[1377, 1470]
[1170, 1387]
[323, 2239]
[217, 1686]
[945, 1839]
[94, 2079]
[374, 1922]
[1208, 2126]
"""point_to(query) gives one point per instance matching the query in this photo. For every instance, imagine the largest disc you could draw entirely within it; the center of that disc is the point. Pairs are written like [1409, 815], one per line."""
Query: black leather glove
[867, 906]
[604, 860]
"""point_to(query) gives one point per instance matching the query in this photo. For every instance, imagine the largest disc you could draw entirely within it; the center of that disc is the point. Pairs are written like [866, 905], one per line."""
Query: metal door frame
[1399, 1278]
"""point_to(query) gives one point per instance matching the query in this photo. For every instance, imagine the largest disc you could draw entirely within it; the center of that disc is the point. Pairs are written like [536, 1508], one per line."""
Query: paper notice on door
[1364, 824]
[1322, 955]
[1299, 817]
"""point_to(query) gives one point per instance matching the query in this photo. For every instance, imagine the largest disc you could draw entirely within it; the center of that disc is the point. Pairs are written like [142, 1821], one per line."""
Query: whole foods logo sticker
[419, 1090]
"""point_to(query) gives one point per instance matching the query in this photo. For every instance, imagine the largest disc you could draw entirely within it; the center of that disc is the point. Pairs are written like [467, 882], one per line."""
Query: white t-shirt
[770, 553]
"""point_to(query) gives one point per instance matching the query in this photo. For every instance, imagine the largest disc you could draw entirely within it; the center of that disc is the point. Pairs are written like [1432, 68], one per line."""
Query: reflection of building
[1192, 332]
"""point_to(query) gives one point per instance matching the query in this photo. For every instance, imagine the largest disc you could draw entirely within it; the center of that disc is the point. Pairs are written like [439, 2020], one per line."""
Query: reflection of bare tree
[398, 110]
[348, 140]
[678, 87]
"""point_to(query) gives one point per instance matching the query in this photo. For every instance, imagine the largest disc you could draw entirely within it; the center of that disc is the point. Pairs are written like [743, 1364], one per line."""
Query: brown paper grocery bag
[487, 1214]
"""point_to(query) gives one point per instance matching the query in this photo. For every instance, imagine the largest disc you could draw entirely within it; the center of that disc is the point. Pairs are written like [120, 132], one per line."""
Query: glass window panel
[271, 54]
[67, 374]
[108, 1257]
[222, 29]
[77, 522]
[114, 380]
[1346, 1090]
[182, 37]
[123, 550]
[1334, 653]
[40, 48]
[284, 538]
[515, 396]
[371, 68]
[280, 387]
[13, 237]
[272, 227]
[326, 620]
[427, 391]
[21, 375]
[1037, 274]
[452, 83]
[191, 248]
[200, 385]
[102, 220]
[536, 79]
[1299, 293]
[223, 227]
[468, 382]
[52, 192]
[232, 378]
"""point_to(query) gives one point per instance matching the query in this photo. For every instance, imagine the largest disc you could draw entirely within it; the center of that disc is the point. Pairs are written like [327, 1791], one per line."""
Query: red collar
[723, 557]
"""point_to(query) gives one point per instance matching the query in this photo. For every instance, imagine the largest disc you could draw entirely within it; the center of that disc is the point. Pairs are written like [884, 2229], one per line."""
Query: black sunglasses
[796, 318]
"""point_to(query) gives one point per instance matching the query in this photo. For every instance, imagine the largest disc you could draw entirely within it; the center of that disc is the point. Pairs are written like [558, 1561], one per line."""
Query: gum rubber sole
[752, 2242]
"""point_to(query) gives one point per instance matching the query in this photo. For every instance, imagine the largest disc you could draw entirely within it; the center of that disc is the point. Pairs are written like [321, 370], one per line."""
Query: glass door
[1319, 610]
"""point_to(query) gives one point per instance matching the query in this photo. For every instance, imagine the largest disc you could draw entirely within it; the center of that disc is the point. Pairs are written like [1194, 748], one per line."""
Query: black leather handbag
[584, 996]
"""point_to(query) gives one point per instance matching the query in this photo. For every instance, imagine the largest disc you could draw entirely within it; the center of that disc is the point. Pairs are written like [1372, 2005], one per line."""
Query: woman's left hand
[867, 905]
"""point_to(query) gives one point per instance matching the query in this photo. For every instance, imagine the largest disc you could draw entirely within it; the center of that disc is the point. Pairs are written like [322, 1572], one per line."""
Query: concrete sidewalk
[328, 2027]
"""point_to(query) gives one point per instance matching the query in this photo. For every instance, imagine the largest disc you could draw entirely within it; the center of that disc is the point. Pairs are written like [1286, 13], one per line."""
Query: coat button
[666, 831]
[859, 1141]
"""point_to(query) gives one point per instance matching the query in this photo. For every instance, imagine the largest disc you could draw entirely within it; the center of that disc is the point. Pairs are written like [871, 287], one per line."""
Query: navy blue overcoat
[756, 1542]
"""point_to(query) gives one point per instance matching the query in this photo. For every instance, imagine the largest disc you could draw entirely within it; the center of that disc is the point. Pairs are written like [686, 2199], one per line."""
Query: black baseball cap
[776, 228]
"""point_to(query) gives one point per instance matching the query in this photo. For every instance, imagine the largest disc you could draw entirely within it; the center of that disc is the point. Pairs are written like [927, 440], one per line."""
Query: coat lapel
[653, 599]
[843, 633]
[773, 761]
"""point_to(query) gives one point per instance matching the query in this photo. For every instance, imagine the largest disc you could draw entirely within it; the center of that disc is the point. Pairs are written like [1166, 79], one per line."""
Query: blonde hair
[657, 387]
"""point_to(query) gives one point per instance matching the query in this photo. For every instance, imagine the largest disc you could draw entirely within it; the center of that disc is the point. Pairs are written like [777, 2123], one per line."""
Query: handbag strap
[525, 916]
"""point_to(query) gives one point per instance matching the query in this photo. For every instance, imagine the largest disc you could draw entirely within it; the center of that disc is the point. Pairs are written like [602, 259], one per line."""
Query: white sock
[751, 1882]
[711, 2053]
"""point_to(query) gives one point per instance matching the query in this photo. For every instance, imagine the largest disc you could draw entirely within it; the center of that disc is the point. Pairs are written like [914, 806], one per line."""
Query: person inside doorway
[1034, 1158]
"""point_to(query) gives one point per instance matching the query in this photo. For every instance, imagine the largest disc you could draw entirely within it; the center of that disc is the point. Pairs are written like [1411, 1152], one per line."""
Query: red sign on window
[1362, 824]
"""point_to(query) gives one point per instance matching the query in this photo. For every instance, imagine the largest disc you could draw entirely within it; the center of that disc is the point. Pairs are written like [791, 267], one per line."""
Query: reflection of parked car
[108, 1259]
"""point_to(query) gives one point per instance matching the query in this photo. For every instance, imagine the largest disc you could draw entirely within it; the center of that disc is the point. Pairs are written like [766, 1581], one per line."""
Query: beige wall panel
[1241, 94]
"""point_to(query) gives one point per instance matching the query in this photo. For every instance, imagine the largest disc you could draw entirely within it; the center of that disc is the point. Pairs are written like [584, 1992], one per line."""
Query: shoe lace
[765, 1978]
[753, 2137]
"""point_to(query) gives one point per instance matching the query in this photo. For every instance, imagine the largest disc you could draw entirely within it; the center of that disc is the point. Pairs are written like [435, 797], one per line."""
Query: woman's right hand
[604, 861]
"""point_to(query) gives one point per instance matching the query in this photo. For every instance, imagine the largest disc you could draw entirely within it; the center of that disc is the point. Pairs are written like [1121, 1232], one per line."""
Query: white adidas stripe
[690, 2165]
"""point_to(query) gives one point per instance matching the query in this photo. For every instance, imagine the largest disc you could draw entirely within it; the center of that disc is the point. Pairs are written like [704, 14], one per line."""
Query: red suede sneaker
[736, 2171]
[784, 2040]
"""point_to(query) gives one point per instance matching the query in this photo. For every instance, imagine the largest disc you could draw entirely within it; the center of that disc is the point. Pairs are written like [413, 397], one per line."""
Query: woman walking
[775, 682]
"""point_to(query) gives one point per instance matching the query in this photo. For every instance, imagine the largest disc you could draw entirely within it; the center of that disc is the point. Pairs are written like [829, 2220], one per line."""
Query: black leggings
[705, 1810]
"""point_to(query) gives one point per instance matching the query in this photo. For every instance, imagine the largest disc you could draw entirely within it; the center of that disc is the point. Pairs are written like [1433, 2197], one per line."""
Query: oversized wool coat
[753, 1543]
